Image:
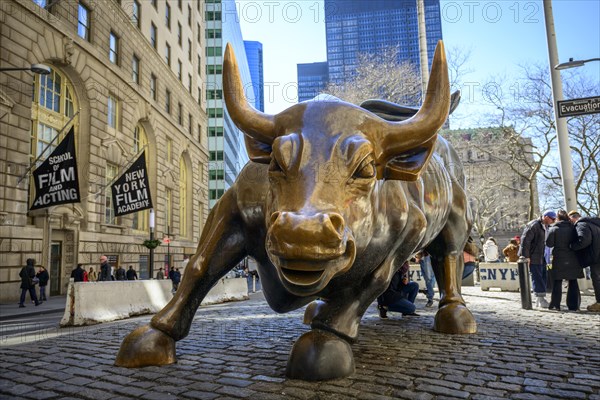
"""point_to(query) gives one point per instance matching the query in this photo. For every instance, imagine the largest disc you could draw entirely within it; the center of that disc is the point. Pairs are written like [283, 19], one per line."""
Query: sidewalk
[240, 350]
[54, 304]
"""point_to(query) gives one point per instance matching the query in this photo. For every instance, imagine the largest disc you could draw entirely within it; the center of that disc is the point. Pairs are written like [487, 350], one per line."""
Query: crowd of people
[561, 244]
[30, 279]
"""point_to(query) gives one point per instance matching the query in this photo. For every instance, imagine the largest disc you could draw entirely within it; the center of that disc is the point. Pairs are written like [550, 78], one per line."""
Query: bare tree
[380, 75]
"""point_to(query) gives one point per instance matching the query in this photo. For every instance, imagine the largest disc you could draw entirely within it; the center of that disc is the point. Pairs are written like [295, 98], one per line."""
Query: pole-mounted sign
[583, 106]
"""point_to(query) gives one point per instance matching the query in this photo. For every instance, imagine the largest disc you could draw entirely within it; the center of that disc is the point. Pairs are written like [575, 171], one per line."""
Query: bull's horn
[252, 122]
[413, 132]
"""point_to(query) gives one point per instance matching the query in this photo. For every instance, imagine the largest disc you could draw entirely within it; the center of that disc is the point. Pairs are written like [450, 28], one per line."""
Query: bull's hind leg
[221, 247]
[446, 251]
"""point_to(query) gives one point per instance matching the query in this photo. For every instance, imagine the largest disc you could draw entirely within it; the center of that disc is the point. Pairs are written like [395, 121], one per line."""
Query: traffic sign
[584, 106]
[166, 240]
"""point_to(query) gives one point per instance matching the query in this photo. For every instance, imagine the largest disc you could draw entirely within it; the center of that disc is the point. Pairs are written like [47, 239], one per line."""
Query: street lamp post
[562, 133]
[151, 259]
[573, 63]
[35, 68]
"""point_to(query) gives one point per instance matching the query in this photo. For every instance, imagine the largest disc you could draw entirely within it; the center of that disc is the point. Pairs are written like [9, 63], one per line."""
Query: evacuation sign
[571, 108]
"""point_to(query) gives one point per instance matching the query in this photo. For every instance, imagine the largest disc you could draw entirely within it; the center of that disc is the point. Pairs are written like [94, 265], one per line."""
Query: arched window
[140, 141]
[183, 199]
[52, 107]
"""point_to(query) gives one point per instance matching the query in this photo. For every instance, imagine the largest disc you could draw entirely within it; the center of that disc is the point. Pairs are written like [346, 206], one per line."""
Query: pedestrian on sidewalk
[92, 275]
[77, 273]
[175, 279]
[131, 274]
[533, 247]
[587, 246]
[105, 275]
[27, 274]
[400, 295]
[565, 265]
[511, 252]
[160, 275]
[424, 260]
[490, 251]
[121, 274]
[43, 278]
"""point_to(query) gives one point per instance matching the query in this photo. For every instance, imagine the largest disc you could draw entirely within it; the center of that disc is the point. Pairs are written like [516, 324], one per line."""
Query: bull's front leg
[324, 352]
[221, 247]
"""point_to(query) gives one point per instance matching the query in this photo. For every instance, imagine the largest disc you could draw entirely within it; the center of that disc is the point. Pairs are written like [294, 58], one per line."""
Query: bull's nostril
[337, 221]
[274, 217]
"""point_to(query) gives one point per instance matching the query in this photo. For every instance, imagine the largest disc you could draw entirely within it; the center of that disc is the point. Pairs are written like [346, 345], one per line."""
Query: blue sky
[501, 35]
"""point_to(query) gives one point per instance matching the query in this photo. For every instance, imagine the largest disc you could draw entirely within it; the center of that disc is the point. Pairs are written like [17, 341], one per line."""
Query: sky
[500, 35]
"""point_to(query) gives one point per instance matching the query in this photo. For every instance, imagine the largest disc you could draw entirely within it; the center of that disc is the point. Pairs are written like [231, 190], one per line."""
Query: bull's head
[325, 159]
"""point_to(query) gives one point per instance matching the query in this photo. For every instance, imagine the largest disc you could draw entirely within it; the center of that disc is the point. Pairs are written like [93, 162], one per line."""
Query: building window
[113, 112]
[212, 15]
[189, 16]
[179, 4]
[52, 107]
[215, 131]
[199, 133]
[155, 4]
[179, 34]
[169, 208]
[200, 96]
[199, 34]
[190, 123]
[135, 69]
[190, 83]
[183, 198]
[214, 69]
[215, 174]
[153, 34]
[113, 53]
[112, 171]
[41, 3]
[168, 54]
[135, 13]
[213, 51]
[215, 113]
[180, 113]
[199, 65]
[153, 87]
[169, 150]
[168, 16]
[179, 70]
[213, 33]
[168, 102]
[215, 194]
[189, 50]
[83, 22]
[216, 94]
[215, 155]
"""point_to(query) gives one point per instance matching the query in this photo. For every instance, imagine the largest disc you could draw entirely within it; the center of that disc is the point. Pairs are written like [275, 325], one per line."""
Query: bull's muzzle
[308, 250]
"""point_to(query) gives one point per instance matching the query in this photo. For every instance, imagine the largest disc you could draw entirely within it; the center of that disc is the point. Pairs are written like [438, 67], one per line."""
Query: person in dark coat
[131, 274]
[77, 273]
[27, 274]
[176, 278]
[104, 270]
[43, 277]
[587, 246]
[533, 247]
[121, 274]
[565, 264]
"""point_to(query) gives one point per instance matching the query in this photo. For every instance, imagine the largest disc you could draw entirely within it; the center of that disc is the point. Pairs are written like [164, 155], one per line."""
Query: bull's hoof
[320, 355]
[454, 318]
[146, 346]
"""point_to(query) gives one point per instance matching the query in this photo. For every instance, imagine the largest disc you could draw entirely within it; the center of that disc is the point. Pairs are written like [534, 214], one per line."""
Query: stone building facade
[499, 196]
[129, 76]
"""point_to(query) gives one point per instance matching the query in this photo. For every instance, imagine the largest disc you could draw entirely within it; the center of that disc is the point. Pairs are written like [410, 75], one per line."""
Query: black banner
[131, 192]
[56, 181]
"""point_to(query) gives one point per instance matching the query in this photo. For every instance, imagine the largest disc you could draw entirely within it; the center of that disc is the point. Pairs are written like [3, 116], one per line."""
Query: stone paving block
[236, 392]
[200, 395]
[557, 393]
[443, 391]
[41, 395]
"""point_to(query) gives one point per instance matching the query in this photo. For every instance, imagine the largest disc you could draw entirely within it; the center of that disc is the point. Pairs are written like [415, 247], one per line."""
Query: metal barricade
[524, 284]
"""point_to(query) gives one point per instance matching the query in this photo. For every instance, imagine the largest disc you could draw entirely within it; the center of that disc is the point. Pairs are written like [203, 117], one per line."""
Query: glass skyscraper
[254, 53]
[354, 27]
[312, 79]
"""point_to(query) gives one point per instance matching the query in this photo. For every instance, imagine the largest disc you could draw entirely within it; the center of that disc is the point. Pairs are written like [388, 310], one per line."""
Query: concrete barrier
[95, 302]
[503, 276]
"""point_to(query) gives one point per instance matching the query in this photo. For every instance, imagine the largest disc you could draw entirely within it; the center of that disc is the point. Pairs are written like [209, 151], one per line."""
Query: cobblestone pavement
[239, 350]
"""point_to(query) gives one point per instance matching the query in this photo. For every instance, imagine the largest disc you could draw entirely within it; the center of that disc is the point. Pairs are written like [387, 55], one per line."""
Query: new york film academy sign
[56, 180]
[131, 192]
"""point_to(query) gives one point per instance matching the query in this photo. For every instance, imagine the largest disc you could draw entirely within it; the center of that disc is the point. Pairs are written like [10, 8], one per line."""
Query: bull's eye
[365, 170]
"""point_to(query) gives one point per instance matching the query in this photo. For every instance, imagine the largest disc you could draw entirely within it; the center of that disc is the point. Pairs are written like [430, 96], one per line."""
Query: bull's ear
[407, 166]
[257, 151]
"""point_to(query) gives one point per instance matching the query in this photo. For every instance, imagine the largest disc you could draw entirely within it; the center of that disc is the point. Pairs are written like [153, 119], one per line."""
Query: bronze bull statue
[333, 201]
